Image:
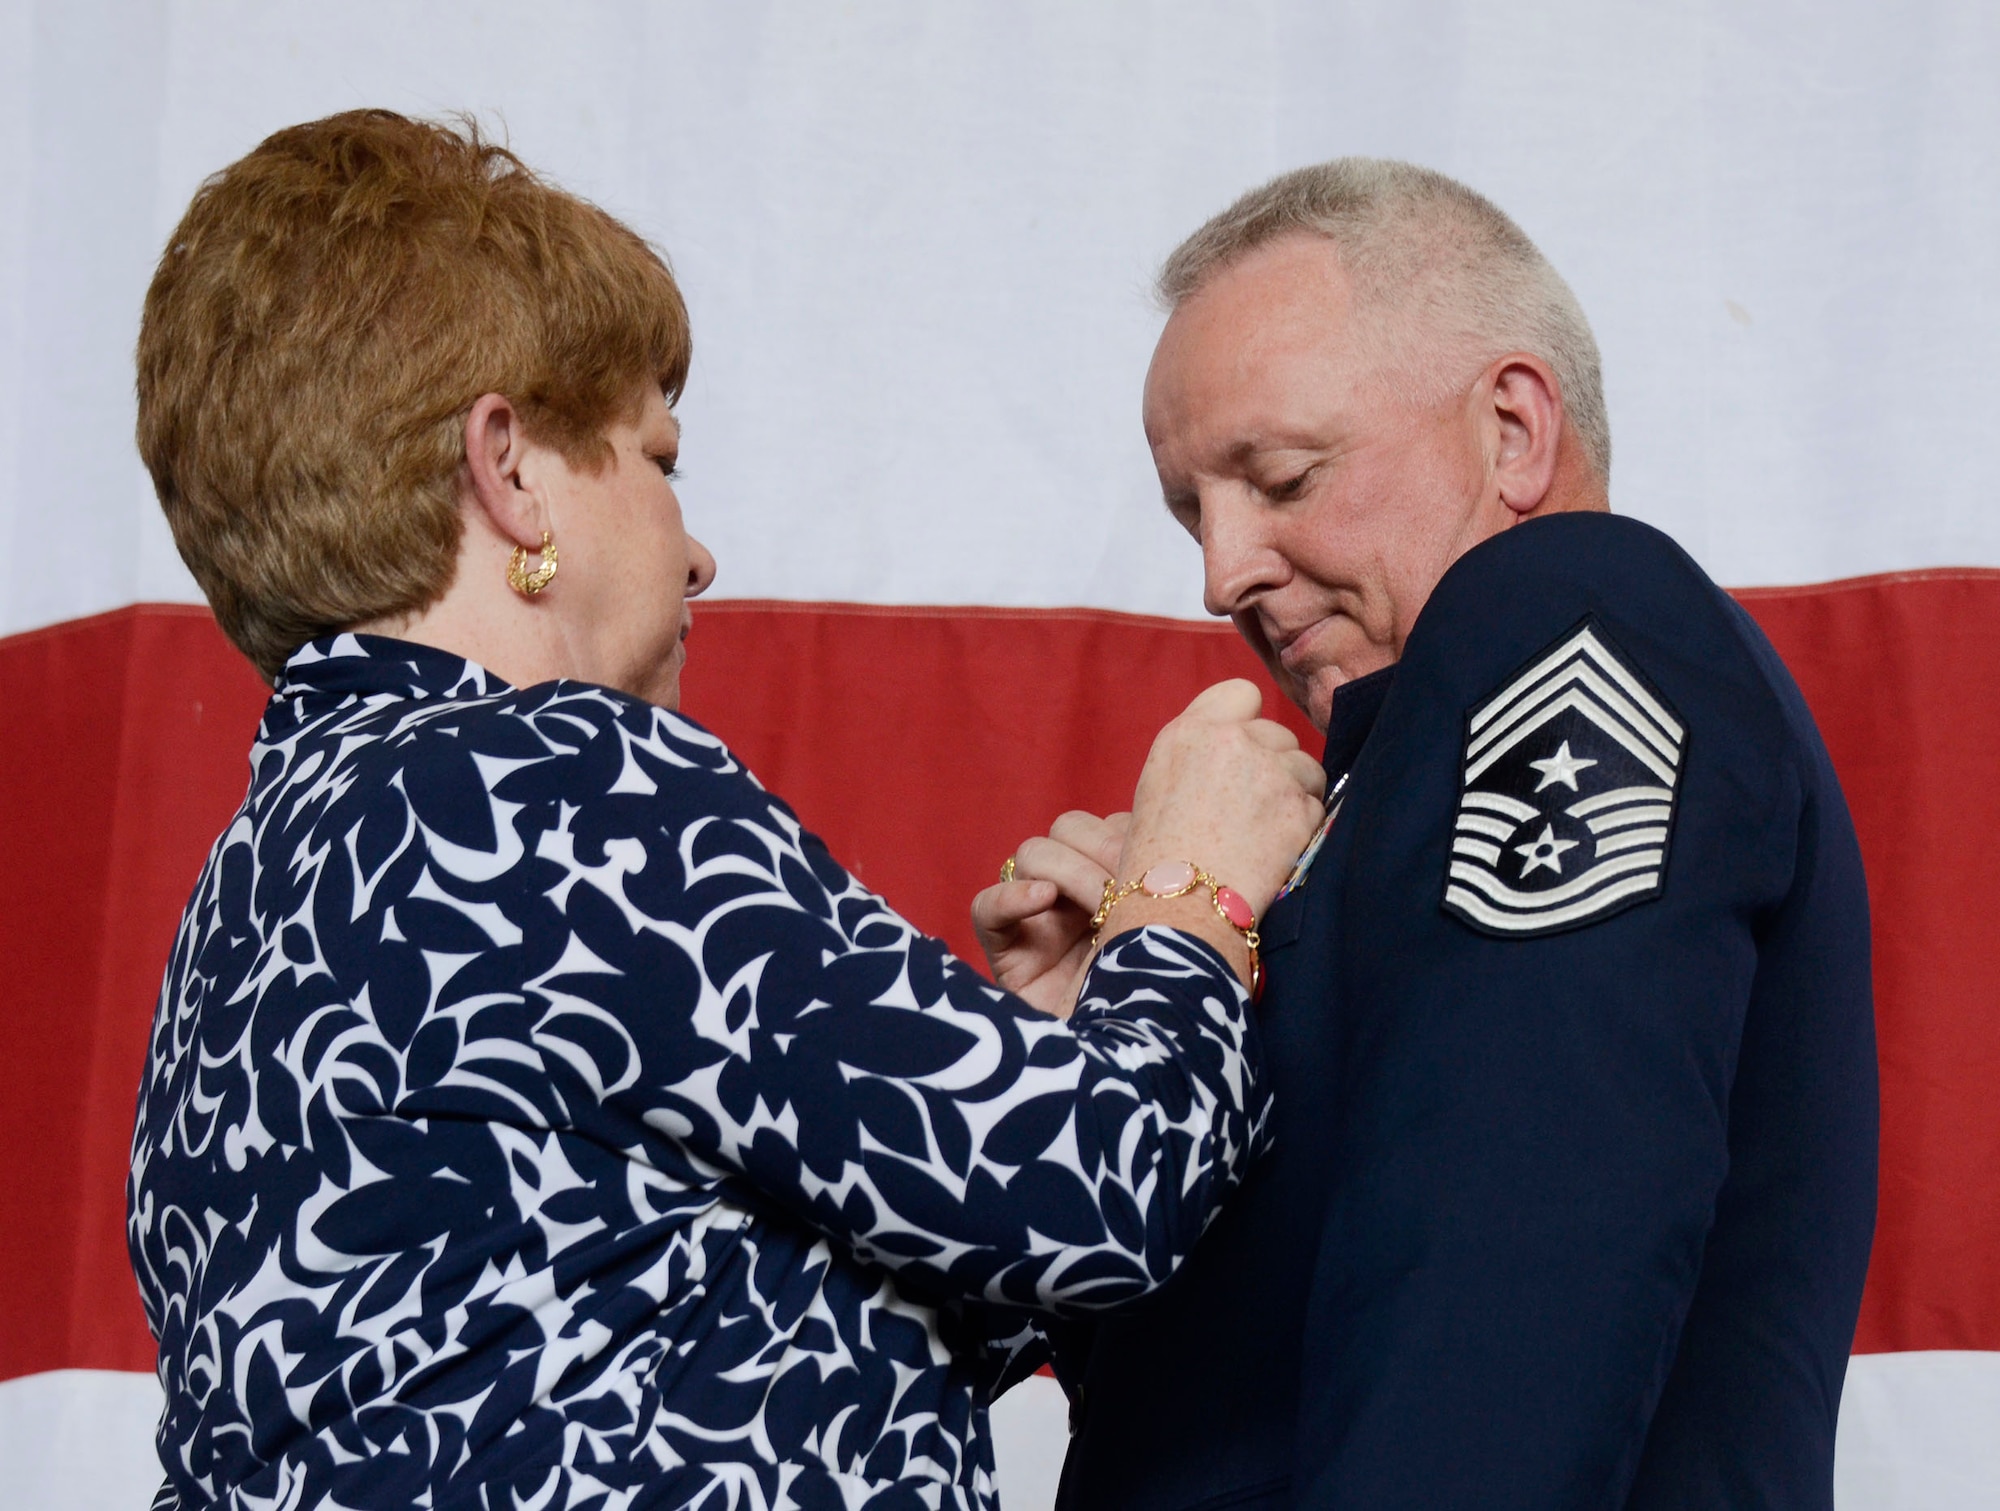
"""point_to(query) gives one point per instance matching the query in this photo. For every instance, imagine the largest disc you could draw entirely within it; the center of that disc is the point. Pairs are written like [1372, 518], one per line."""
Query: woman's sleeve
[725, 1000]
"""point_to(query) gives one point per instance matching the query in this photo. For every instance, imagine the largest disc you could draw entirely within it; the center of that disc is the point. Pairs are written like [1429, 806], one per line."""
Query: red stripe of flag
[923, 744]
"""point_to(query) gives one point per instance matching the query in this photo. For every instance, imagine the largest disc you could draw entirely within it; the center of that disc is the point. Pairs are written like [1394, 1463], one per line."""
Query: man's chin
[1312, 694]
[1314, 690]
[1318, 699]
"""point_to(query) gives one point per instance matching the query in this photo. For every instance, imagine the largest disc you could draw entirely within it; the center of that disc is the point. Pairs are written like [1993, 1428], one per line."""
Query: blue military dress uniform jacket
[1572, 1047]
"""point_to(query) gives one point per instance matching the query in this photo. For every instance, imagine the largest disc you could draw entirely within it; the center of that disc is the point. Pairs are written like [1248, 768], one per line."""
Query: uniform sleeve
[1575, 825]
[723, 998]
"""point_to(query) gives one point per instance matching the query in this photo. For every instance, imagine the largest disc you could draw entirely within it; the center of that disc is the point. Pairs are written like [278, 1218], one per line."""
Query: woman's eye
[669, 467]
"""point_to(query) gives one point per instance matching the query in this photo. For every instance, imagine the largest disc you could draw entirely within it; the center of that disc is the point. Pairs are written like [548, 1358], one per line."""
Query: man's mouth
[1294, 648]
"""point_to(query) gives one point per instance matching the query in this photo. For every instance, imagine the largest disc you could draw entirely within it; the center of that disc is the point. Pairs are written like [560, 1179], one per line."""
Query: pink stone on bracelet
[1177, 878]
[1235, 908]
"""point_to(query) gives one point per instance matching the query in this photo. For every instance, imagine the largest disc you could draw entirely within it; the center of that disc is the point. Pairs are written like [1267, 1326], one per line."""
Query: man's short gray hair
[1459, 282]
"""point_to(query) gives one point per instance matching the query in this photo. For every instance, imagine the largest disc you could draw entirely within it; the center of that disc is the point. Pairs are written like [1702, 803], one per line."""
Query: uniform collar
[370, 666]
[1355, 706]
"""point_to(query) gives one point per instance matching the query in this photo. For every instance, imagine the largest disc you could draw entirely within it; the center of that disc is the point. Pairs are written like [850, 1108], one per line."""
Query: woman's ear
[496, 449]
[1527, 423]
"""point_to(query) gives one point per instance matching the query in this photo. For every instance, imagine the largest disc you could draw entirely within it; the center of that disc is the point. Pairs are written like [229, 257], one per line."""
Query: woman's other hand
[1035, 929]
[1223, 788]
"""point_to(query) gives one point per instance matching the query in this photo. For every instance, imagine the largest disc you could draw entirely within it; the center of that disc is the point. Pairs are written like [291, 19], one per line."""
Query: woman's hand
[1233, 794]
[1229, 791]
[1035, 929]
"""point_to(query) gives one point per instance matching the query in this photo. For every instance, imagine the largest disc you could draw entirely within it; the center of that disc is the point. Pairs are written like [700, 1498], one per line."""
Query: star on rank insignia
[1566, 794]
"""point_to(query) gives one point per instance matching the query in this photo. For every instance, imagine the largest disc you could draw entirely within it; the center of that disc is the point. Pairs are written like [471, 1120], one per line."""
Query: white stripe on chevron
[1477, 907]
[1519, 811]
[1631, 837]
[1619, 795]
[1492, 828]
[1625, 817]
[1614, 718]
[1478, 849]
[1541, 901]
[1582, 658]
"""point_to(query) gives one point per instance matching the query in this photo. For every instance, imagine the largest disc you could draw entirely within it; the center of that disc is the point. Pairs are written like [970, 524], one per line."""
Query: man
[1569, 1015]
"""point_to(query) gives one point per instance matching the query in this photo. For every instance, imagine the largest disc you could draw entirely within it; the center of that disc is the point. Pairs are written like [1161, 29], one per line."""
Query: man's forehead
[1288, 296]
[1257, 349]
[1296, 277]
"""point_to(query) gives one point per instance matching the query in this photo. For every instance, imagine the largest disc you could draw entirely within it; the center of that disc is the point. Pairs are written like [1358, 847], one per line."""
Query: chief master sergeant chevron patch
[1566, 794]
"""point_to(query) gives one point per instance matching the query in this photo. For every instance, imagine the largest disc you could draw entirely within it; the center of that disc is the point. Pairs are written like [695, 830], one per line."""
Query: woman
[536, 1114]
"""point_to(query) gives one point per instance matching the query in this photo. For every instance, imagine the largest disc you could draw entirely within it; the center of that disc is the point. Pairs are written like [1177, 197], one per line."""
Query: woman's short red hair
[324, 317]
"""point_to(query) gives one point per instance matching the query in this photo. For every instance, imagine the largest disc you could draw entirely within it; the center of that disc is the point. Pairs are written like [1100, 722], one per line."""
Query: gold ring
[1007, 869]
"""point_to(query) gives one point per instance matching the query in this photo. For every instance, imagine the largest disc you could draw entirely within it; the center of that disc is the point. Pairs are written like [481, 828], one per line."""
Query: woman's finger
[1271, 734]
[1078, 876]
[1008, 903]
[1235, 701]
[1304, 770]
[1097, 839]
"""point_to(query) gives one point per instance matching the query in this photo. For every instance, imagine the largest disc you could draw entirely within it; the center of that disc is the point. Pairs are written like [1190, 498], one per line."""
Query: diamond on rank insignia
[1566, 794]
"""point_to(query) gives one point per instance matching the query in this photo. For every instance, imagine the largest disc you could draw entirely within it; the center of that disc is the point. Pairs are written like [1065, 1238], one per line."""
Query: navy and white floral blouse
[537, 1116]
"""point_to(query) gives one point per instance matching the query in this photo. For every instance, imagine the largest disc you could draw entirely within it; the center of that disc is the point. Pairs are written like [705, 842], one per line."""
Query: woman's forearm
[852, 1072]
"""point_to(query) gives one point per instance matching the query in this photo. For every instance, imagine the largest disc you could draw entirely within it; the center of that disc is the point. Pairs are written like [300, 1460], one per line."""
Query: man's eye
[1290, 488]
[669, 467]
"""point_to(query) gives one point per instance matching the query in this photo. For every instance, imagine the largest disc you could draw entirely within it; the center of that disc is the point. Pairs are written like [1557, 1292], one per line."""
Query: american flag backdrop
[916, 241]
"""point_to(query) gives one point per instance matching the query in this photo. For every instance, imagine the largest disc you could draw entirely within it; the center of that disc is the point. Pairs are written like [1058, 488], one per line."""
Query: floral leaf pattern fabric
[537, 1116]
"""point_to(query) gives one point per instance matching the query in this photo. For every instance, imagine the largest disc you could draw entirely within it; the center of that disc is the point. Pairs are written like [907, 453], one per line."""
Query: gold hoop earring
[527, 583]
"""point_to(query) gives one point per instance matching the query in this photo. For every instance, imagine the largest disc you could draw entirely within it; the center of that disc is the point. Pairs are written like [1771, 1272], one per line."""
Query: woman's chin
[666, 682]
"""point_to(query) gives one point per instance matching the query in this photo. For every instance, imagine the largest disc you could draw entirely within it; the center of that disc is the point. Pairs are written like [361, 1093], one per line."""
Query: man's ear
[1527, 426]
[496, 446]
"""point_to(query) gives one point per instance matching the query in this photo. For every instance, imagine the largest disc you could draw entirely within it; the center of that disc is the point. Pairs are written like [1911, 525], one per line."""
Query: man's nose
[1239, 562]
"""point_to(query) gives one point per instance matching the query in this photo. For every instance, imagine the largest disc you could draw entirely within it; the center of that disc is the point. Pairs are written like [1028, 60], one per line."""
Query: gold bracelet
[1177, 878]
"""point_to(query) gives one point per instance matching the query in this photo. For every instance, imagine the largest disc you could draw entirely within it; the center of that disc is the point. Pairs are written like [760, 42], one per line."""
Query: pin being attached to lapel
[1311, 852]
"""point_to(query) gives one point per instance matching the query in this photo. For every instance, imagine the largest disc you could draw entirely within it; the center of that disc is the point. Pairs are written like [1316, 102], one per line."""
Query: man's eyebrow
[1244, 450]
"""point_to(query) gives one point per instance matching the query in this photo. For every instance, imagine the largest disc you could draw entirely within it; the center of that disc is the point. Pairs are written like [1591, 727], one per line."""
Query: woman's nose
[701, 568]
